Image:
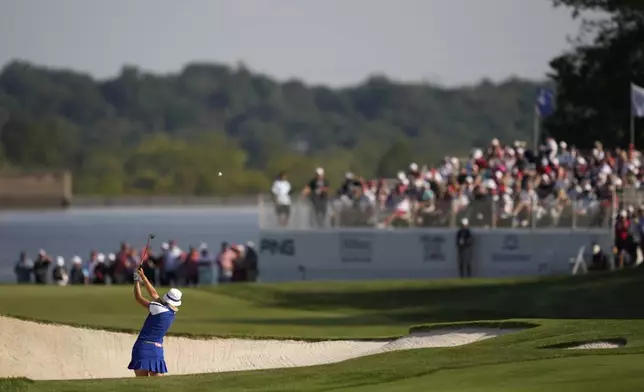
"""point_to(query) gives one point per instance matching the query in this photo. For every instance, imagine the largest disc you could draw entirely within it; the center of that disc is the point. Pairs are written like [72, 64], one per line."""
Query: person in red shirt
[122, 265]
[623, 240]
[191, 267]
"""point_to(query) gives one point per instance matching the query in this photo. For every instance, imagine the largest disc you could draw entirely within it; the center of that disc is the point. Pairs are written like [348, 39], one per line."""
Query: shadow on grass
[603, 296]
[369, 320]
[621, 342]
[348, 321]
[509, 324]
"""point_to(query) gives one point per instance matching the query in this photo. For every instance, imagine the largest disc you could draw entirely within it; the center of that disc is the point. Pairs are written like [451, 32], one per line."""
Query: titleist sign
[356, 248]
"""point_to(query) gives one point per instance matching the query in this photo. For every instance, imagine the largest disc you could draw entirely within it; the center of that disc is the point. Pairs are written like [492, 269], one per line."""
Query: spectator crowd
[497, 186]
[169, 266]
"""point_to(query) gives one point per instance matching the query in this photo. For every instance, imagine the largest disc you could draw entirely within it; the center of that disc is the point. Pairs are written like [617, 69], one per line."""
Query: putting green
[566, 310]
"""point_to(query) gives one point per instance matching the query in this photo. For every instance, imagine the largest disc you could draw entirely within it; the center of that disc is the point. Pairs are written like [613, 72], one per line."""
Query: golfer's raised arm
[138, 297]
[148, 286]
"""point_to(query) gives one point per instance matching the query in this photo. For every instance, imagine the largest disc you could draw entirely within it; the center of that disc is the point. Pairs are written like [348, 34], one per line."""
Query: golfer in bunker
[147, 353]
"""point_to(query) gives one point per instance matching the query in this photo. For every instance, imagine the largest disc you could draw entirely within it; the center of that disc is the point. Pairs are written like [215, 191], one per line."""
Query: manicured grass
[566, 309]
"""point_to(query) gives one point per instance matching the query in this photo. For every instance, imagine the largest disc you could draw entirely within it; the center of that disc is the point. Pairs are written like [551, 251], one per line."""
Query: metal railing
[579, 214]
[632, 196]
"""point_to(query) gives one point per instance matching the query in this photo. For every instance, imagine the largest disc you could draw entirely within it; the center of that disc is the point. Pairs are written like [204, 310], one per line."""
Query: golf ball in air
[220, 174]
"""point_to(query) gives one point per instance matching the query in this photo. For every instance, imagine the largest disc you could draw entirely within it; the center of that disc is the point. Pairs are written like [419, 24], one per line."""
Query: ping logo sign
[284, 247]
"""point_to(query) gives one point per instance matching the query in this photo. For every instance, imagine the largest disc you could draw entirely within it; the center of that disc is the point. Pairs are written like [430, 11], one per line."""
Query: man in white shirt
[281, 191]
[172, 264]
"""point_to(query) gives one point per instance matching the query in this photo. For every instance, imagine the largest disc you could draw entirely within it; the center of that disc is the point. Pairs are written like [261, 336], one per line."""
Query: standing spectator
[161, 261]
[281, 191]
[318, 192]
[251, 261]
[347, 188]
[121, 265]
[239, 267]
[191, 267]
[101, 270]
[59, 272]
[205, 265]
[41, 267]
[464, 245]
[24, 268]
[173, 264]
[605, 194]
[623, 239]
[218, 260]
[76, 273]
[90, 264]
[225, 263]
[109, 264]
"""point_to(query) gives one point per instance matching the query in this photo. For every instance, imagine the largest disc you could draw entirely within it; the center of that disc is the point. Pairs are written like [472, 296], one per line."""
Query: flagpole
[632, 144]
[536, 130]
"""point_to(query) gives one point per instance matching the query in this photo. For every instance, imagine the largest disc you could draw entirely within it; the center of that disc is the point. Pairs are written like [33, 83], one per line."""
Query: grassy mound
[564, 309]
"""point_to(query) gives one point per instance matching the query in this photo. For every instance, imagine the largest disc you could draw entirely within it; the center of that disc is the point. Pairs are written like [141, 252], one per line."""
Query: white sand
[595, 346]
[57, 352]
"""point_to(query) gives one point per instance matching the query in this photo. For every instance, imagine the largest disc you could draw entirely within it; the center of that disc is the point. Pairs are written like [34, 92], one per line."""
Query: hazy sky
[336, 42]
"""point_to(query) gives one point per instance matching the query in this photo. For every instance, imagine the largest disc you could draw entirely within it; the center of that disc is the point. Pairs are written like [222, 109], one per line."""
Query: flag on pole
[545, 105]
[637, 100]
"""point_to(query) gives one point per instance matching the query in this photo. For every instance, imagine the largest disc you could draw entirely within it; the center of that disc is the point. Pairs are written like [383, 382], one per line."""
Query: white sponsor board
[417, 253]
[502, 253]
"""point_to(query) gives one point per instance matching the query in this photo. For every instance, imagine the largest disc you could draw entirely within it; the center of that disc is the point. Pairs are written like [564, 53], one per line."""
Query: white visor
[173, 297]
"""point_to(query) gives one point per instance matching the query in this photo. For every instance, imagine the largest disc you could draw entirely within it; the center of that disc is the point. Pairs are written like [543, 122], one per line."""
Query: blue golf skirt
[148, 356]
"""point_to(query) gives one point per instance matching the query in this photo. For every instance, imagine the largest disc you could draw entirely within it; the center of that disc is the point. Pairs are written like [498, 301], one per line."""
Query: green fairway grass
[564, 310]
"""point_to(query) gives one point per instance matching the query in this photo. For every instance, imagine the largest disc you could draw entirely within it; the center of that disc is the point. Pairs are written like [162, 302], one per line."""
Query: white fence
[350, 254]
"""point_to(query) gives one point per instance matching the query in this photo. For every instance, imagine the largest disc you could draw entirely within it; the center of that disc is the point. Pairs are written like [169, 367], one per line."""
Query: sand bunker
[596, 345]
[57, 352]
[590, 344]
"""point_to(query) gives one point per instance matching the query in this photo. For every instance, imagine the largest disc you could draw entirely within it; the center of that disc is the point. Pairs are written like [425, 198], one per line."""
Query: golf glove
[136, 277]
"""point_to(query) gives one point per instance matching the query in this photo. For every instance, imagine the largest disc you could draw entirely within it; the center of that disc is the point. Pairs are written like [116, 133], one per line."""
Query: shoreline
[139, 201]
[89, 202]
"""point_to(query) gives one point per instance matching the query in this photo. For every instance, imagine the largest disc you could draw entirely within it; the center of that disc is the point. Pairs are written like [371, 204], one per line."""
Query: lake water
[77, 231]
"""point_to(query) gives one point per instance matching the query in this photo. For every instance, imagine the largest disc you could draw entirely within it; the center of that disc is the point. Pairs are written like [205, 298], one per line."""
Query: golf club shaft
[146, 250]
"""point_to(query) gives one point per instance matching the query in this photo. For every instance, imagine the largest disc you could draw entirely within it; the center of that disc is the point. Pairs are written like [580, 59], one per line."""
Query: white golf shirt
[281, 189]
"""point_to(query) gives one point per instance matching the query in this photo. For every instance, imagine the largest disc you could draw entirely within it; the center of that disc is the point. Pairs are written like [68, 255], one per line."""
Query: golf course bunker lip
[58, 352]
[444, 337]
[595, 344]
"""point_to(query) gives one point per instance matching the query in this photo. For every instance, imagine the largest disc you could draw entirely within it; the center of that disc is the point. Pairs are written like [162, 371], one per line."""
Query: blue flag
[545, 105]
[637, 100]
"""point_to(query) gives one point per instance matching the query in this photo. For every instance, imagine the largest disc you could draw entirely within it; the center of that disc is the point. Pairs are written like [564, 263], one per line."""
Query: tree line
[593, 79]
[171, 134]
